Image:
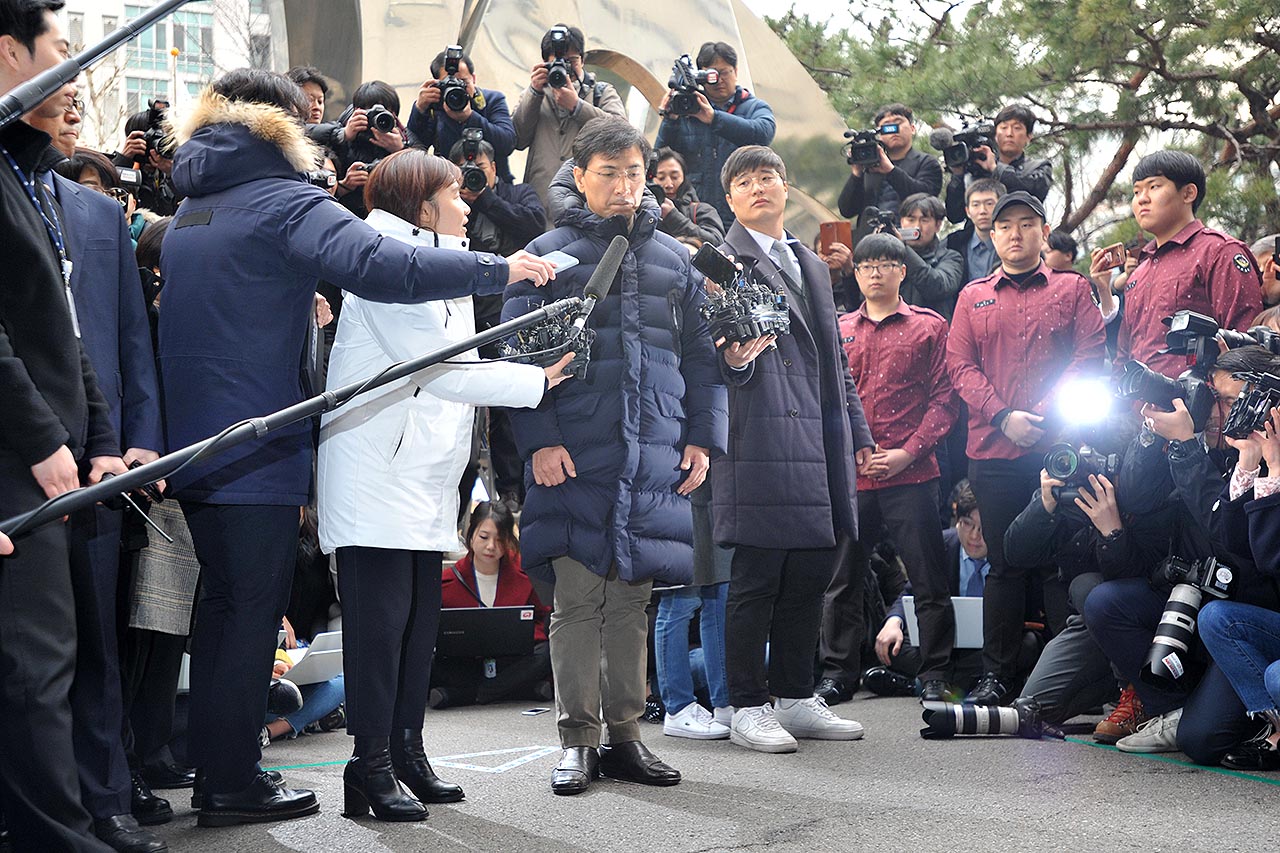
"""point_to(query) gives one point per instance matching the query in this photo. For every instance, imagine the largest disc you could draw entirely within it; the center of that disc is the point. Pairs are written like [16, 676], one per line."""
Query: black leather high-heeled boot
[409, 759]
[370, 784]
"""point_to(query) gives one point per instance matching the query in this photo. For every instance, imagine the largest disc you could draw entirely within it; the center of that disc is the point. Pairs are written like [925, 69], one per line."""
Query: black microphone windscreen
[607, 270]
[941, 137]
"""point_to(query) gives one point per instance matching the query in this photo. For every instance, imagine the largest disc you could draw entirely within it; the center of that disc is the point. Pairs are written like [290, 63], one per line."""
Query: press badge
[490, 668]
[71, 301]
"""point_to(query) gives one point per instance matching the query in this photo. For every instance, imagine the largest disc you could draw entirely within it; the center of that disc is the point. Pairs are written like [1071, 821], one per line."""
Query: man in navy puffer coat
[607, 509]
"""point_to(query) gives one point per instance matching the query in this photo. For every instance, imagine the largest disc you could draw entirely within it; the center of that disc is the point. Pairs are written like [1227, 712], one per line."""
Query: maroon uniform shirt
[899, 367]
[1011, 347]
[1198, 268]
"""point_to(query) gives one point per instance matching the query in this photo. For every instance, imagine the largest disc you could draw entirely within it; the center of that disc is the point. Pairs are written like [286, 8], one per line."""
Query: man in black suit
[784, 493]
[54, 428]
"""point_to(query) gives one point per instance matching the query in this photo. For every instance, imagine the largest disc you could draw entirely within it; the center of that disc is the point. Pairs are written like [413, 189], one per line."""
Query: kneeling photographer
[1147, 626]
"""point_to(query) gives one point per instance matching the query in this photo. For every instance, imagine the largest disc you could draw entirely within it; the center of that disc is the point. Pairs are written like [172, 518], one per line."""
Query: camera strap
[474, 592]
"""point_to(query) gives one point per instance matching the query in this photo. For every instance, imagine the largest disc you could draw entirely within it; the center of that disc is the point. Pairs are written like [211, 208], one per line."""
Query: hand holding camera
[1171, 426]
[135, 146]
[1098, 502]
[566, 97]
[1049, 487]
[538, 77]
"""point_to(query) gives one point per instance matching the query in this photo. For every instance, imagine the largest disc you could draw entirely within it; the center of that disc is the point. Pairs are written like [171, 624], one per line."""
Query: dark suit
[795, 420]
[117, 338]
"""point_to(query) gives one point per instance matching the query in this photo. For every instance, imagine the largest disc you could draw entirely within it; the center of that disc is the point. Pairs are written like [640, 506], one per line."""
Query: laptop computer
[485, 632]
[968, 620]
[318, 662]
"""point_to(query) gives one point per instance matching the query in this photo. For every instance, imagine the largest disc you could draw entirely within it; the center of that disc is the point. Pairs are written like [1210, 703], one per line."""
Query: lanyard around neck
[54, 227]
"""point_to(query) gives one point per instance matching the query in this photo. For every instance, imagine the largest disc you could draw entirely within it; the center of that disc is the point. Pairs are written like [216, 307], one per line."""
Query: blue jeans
[1245, 642]
[318, 700]
[671, 643]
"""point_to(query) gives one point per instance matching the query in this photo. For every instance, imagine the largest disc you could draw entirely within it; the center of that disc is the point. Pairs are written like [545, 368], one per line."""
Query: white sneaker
[694, 721]
[1158, 734]
[811, 718]
[724, 716]
[757, 728]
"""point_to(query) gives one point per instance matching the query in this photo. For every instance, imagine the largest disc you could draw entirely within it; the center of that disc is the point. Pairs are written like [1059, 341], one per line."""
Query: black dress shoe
[578, 767]
[368, 782]
[631, 761]
[937, 690]
[989, 690]
[263, 801]
[833, 691]
[196, 798]
[149, 809]
[409, 759]
[654, 712]
[168, 775]
[883, 681]
[1253, 755]
[122, 833]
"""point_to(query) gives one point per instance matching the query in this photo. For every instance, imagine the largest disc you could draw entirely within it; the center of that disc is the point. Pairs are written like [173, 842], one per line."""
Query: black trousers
[96, 701]
[390, 615]
[39, 787]
[150, 663]
[775, 597]
[1003, 487]
[908, 515]
[517, 676]
[246, 554]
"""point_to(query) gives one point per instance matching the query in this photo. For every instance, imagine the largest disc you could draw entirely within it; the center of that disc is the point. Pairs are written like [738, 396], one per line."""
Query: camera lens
[557, 75]
[1061, 462]
[473, 178]
[456, 98]
[383, 120]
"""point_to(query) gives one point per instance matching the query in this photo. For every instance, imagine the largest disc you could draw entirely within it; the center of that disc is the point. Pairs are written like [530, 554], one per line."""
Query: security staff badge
[1242, 262]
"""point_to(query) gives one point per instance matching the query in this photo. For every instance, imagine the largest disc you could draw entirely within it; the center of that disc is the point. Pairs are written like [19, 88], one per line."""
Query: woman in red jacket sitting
[490, 576]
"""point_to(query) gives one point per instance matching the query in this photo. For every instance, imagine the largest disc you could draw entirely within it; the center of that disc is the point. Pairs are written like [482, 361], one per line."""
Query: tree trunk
[1103, 185]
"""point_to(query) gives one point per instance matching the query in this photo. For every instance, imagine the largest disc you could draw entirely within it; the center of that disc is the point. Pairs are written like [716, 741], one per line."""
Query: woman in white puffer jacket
[389, 467]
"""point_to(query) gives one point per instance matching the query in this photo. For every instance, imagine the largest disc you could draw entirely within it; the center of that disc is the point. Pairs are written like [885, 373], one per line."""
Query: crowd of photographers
[942, 400]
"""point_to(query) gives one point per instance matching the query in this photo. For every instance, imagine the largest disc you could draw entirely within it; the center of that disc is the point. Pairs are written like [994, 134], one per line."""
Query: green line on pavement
[304, 766]
[1223, 771]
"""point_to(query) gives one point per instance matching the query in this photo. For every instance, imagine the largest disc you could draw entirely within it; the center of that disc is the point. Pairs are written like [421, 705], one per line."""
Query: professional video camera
[876, 221]
[474, 178]
[452, 90]
[157, 136]
[322, 178]
[558, 73]
[1169, 659]
[546, 343]
[964, 144]
[686, 84]
[862, 149]
[739, 308]
[1073, 466]
[1251, 409]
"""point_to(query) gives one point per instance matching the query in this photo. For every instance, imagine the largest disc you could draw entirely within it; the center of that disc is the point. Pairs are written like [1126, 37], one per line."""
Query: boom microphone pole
[26, 97]
[253, 428]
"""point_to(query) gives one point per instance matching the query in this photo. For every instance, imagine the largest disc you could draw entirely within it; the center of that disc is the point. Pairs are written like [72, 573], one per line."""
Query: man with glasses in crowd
[902, 171]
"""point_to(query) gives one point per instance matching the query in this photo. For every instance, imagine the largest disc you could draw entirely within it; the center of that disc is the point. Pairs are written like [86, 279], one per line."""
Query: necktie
[976, 581]
[787, 263]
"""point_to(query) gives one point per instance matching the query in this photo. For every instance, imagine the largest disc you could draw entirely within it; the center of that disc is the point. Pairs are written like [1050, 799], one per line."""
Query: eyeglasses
[634, 175]
[744, 184]
[883, 268]
[966, 523]
[78, 106]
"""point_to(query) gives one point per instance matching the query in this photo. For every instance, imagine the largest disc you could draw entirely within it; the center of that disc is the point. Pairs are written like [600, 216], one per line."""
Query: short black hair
[880, 247]
[137, 121]
[894, 110]
[710, 50]
[666, 153]
[1063, 242]
[303, 74]
[985, 185]
[262, 87]
[748, 158]
[923, 203]
[455, 153]
[1018, 112]
[962, 500]
[25, 20]
[84, 158]
[1178, 166]
[577, 41]
[437, 64]
[374, 92]
[1250, 359]
[607, 135]
[148, 251]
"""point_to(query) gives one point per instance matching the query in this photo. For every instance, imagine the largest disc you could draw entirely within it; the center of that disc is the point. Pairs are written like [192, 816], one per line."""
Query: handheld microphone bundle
[947, 719]
[545, 343]
[739, 308]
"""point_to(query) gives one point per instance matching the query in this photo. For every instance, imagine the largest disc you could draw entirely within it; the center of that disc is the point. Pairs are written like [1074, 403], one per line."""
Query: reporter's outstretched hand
[522, 266]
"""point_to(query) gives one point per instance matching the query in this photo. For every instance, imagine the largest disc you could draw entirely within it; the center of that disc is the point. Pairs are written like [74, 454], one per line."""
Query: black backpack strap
[474, 593]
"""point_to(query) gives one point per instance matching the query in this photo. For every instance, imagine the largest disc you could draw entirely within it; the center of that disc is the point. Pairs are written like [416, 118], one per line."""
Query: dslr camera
[686, 84]
[1073, 466]
[1251, 409]
[963, 147]
[453, 92]
[381, 118]
[157, 138]
[862, 149]
[1170, 659]
[474, 178]
[558, 74]
[739, 308]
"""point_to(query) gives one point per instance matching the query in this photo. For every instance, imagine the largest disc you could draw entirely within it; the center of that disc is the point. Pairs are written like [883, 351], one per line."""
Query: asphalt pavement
[890, 791]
